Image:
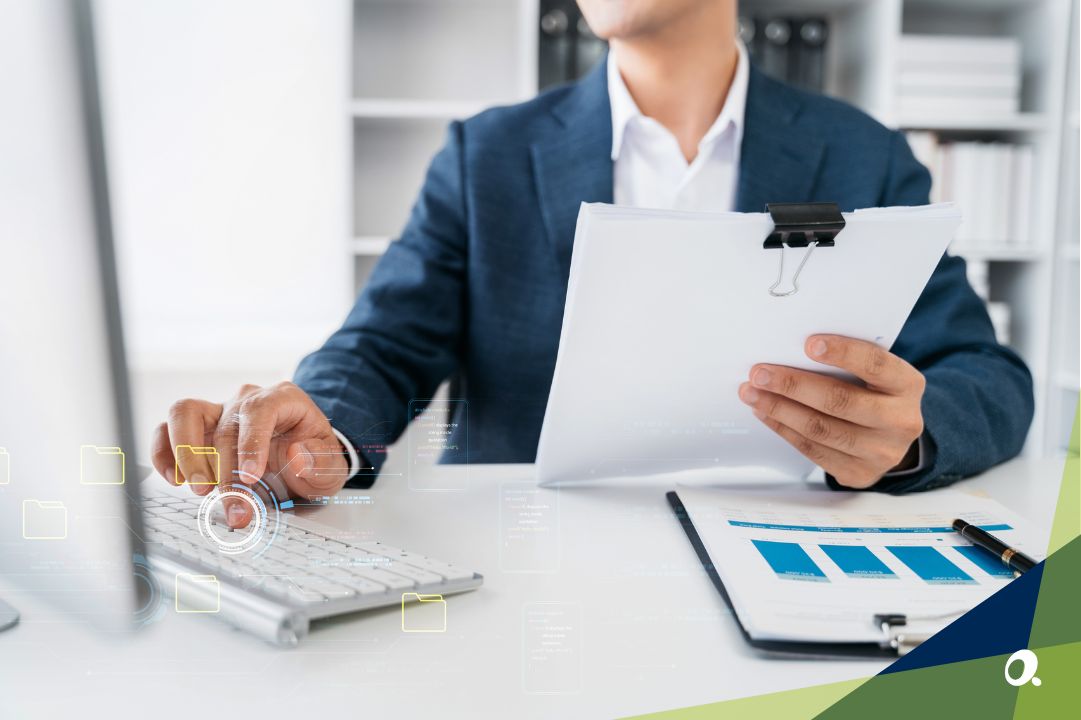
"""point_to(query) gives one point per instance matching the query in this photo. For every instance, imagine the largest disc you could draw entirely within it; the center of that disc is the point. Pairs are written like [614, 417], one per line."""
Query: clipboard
[777, 648]
[905, 574]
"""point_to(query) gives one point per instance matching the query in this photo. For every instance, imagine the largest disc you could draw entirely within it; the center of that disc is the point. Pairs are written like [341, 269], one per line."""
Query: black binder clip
[801, 225]
[900, 633]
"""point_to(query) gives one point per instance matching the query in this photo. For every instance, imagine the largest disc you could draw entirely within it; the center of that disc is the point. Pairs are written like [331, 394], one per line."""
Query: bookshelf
[401, 102]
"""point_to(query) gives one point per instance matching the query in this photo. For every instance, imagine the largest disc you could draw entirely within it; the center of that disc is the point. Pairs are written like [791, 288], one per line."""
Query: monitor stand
[9, 616]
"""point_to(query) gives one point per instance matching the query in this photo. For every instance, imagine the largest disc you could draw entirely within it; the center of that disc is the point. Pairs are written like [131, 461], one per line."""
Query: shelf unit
[1065, 363]
[487, 50]
[475, 54]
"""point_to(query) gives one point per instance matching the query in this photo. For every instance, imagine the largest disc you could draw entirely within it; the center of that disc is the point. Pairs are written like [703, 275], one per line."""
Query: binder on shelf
[748, 33]
[809, 69]
[555, 45]
[776, 41]
[567, 48]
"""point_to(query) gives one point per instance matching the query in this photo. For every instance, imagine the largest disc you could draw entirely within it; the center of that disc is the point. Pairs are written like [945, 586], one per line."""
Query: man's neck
[681, 75]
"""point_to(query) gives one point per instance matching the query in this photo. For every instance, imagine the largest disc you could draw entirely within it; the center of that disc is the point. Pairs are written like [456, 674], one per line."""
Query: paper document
[815, 565]
[667, 311]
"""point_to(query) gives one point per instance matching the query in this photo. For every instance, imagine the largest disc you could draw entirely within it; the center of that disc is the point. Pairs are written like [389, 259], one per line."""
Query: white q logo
[1029, 661]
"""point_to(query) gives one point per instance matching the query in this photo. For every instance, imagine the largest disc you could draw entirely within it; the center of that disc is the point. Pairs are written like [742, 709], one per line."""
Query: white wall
[229, 154]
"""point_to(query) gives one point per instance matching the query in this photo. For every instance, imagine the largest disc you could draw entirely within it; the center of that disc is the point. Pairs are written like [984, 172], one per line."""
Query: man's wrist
[915, 460]
[350, 453]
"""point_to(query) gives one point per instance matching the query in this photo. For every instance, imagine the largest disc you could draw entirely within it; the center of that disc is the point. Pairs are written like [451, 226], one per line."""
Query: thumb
[315, 466]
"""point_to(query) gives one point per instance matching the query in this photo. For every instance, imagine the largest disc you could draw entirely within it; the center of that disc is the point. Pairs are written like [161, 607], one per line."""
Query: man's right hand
[276, 430]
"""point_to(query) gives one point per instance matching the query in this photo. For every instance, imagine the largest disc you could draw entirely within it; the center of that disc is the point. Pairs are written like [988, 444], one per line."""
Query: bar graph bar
[857, 561]
[790, 561]
[985, 560]
[931, 565]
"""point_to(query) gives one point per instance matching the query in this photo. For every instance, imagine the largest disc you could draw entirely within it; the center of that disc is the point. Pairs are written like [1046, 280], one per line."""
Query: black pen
[1013, 559]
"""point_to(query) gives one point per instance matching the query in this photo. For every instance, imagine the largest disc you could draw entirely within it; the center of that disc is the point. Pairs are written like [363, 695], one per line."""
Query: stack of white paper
[957, 75]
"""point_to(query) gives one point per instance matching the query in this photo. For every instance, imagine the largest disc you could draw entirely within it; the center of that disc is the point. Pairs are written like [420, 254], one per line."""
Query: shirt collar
[624, 108]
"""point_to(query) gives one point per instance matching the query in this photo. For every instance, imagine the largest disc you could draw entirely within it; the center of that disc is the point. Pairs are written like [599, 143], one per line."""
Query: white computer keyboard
[303, 567]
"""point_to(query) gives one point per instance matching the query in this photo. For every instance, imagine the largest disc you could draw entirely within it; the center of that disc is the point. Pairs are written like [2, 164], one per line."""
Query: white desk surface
[655, 633]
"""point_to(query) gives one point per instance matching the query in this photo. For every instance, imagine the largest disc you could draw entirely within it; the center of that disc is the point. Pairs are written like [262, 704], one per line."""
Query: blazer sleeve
[978, 403]
[404, 333]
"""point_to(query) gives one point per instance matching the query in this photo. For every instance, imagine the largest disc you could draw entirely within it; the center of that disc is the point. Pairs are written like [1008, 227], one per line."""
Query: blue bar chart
[857, 561]
[931, 565]
[985, 560]
[790, 561]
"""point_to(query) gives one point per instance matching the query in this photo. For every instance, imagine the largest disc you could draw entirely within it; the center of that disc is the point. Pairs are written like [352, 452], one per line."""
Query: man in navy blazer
[474, 289]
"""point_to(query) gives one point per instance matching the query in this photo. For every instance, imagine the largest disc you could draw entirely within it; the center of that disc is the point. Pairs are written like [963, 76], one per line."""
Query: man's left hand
[856, 434]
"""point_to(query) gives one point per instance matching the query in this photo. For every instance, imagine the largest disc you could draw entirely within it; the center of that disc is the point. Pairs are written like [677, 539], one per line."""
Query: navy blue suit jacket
[474, 288]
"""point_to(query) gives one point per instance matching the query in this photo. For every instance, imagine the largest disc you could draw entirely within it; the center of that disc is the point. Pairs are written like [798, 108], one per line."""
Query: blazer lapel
[572, 161]
[778, 163]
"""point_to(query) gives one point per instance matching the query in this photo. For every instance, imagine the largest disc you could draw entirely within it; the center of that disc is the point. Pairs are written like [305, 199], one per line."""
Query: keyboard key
[191, 551]
[275, 568]
[389, 579]
[210, 560]
[279, 554]
[450, 572]
[276, 587]
[421, 577]
[305, 596]
[380, 549]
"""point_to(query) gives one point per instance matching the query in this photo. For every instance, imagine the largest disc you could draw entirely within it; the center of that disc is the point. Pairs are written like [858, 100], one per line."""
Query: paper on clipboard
[667, 311]
[802, 563]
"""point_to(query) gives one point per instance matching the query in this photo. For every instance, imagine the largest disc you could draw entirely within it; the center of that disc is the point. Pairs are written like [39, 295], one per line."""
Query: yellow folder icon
[212, 457]
[101, 465]
[5, 467]
[44, 520]
[197, 593]
[423, 613]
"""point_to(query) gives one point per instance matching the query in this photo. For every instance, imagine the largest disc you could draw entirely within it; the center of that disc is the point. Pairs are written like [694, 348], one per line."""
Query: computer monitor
[70, 525]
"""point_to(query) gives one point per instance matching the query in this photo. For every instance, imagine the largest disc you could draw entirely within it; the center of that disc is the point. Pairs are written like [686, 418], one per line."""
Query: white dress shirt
[649, 169]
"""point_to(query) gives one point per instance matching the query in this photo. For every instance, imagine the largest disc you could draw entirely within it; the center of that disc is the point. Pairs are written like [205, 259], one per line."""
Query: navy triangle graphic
[1000, 625]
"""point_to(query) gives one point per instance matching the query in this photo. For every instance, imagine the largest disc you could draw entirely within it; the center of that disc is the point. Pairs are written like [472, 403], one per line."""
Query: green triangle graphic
[968, 689]
[1059, 693]
[801, 704]
[1067, 523]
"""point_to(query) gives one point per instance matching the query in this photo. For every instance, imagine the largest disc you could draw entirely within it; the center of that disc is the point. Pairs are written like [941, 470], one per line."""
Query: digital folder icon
[423, 613]
[209, 453]
[197, 593]
[44, 520]
[5, 467]
[101, 465]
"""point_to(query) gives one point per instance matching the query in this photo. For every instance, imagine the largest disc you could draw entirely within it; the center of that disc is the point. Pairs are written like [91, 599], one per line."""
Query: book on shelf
[979, 277]
[991, 182]
[999, 313]
[979, 53]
